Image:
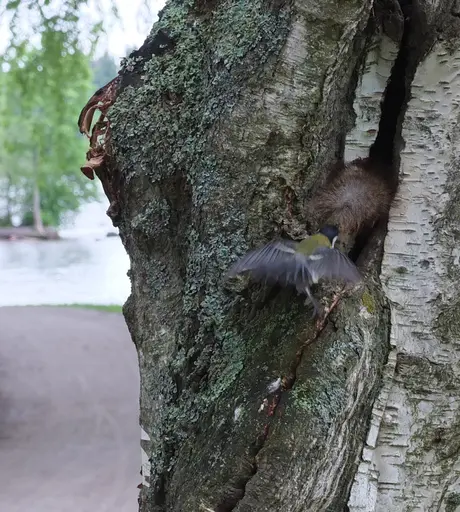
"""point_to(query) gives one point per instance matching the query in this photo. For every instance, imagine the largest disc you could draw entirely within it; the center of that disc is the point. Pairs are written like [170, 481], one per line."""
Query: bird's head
[331, 232]
[325, 237]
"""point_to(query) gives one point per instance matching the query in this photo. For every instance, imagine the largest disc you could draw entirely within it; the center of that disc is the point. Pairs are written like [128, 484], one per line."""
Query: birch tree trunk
[37, 213]
[227, 119]
[36, 208]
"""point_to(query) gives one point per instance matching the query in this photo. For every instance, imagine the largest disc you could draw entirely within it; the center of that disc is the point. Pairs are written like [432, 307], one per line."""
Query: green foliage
[109, 308]
[32, 20]
[45, 80]
[41, 146]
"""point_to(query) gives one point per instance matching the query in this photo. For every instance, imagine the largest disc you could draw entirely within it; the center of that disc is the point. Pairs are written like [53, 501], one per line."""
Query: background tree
[43, 146]
[226, 120]
[46, 77]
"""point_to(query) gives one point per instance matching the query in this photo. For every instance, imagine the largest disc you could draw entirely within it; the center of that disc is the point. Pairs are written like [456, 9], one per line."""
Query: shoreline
[12, 234]
[26, 233]
[108, 308]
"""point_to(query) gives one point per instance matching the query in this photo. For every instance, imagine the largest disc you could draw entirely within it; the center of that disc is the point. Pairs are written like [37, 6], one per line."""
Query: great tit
[299, 263]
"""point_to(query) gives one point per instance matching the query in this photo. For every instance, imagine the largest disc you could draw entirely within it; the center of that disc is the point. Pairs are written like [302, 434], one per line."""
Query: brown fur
[353, 198]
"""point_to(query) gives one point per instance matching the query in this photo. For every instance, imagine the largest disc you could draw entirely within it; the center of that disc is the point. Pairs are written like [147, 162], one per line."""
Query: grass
[110, 308]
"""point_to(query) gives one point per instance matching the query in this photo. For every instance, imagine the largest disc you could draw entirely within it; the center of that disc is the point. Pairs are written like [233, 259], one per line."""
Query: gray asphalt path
[69, 432]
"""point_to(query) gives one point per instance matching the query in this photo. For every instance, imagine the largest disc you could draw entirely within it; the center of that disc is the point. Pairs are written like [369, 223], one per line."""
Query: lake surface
[84, 267]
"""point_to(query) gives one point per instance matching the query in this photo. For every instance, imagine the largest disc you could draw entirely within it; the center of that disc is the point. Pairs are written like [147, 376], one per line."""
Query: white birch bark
[411, 459]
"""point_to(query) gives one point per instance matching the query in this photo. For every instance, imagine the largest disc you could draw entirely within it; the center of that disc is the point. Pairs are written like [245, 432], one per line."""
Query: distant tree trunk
[226, 120]
[37, 212]
[38, 223]
[8, 219]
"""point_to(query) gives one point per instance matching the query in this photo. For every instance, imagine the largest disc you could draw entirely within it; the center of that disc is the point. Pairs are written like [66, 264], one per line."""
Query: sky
[136, 20]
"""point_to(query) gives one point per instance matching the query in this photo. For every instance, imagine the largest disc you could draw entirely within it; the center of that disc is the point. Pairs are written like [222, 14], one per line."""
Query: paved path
[69, 434]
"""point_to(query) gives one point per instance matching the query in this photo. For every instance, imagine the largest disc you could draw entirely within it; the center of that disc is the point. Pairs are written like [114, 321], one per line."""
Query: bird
[300, 264]
[355, 196]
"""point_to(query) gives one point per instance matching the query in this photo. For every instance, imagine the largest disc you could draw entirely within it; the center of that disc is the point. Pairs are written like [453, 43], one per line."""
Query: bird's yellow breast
[311, 243]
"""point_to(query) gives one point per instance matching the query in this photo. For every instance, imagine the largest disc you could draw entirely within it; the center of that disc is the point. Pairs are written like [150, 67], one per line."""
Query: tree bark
[38, 223]
[227, 119]
[36, 208]
[411, 458]
[8, 218]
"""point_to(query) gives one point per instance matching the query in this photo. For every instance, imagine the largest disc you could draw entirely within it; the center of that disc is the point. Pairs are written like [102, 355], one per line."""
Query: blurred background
[69, 376]
[54, 55]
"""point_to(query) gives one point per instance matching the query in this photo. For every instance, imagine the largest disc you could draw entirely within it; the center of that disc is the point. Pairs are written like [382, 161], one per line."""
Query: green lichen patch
[203, 75]
[321, 393]
[320, 400]
[368, 302]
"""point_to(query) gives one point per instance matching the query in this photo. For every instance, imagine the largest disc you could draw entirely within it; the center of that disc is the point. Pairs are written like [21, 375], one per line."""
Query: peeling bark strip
[99, 159]
[218, 141]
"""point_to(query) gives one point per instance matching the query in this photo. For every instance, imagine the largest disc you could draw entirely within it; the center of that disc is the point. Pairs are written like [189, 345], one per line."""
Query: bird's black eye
[330, 231]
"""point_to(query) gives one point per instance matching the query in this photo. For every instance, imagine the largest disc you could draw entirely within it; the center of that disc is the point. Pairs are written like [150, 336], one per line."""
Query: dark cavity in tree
[415, 42]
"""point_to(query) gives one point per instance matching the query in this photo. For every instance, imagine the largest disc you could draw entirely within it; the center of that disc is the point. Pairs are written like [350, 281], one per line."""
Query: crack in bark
[230, 502]
[288, 382]
[238, 491]
[385, 149]
[415, 42]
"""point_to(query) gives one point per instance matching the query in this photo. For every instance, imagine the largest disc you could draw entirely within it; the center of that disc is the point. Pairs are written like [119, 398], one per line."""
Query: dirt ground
[69, 432]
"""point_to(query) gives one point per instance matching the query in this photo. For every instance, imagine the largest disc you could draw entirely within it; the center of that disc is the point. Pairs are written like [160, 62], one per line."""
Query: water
[84, 267]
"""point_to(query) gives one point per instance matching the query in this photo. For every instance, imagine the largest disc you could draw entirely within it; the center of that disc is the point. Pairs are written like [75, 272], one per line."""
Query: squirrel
[357, 195]
[354, 197]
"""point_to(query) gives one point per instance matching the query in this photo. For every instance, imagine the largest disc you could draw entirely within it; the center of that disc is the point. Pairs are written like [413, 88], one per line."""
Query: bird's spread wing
[328, 263]
[274, 262]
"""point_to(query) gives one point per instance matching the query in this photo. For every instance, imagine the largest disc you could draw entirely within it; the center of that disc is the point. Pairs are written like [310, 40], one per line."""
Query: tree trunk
[226, 120]
[8, 193]
[37, 212]
[38, 223]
